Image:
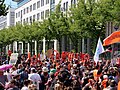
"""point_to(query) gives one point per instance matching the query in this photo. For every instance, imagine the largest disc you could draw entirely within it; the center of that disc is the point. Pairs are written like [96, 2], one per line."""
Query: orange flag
[113, 38]
[118, 85]
[29, 56]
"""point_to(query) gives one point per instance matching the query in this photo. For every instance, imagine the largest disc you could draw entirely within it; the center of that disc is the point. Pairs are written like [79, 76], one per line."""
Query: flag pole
[112, 54]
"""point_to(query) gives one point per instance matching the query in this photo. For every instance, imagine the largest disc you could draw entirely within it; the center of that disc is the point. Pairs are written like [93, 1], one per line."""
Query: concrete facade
[37, 10]
[8, 20]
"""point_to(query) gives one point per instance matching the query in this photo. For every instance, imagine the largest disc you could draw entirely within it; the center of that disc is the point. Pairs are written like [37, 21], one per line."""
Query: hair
[16, 76]
[64, 77]
[13, 81]
[32, 87]
[33, 71]
[26, 82]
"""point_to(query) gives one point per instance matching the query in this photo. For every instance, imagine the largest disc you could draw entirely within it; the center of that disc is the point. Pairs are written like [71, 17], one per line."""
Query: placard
[13, 58]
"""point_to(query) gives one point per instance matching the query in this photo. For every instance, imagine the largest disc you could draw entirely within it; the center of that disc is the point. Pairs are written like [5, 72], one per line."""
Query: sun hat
[105, 76]
[45, 69]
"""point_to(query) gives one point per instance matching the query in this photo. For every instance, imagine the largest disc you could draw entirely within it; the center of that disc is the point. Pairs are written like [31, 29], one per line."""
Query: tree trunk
[23, 47]
[17, 47]
[76, 46]
[37, 47]
[12, 47]
[66, 43]
[60, 46]
[30, 43]
[48, 43]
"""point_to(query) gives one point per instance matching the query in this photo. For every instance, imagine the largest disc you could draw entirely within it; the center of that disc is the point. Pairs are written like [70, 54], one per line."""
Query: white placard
[13, 58]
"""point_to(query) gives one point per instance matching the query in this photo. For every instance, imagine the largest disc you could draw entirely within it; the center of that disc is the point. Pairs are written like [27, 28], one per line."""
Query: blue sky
[11, 3]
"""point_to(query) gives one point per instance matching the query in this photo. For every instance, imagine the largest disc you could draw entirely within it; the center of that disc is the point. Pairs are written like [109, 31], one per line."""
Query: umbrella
[5, 67]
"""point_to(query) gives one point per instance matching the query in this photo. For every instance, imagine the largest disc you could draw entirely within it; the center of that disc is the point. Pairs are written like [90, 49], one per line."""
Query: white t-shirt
[24, 88]
[35, 78]
[9, 76]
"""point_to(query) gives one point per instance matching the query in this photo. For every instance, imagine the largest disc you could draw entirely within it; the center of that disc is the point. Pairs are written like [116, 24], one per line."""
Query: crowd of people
[61, 74]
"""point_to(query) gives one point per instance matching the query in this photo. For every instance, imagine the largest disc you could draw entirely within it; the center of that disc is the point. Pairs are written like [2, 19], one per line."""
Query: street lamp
[116, 28]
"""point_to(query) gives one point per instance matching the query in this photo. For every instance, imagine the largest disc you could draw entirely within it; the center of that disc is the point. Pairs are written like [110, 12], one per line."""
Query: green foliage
[87, 19]
[3, 8]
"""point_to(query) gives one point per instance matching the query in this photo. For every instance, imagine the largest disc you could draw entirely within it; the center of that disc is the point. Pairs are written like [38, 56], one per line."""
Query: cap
[53, 71]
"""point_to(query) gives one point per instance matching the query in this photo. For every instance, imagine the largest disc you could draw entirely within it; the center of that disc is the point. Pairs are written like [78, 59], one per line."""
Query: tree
[47, 30]
[88, 19]
[58, 25]
[38, 33]
[3, 8]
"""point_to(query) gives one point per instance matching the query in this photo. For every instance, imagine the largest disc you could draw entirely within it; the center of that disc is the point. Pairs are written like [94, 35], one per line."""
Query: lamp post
[112, 53]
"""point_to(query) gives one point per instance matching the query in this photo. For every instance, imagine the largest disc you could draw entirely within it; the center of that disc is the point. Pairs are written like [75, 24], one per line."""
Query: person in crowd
[23, 76]
[62, 74]
[26, 84]
[13, 85]
[8, 74]
[3, 78]
[44, 77]
[35, 77]
[33, 87]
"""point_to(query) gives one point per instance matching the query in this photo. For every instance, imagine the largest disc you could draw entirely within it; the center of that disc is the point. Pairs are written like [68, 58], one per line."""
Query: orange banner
[113, 38]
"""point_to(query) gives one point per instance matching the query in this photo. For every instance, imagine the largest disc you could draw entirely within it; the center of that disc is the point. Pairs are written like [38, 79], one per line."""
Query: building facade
[37, 10]
[8, 20]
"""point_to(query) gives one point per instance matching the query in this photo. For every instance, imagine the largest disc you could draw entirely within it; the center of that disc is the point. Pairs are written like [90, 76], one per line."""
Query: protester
[68, 72]
[13, 85]
[35, 77]
[3, 78]
[26, 84]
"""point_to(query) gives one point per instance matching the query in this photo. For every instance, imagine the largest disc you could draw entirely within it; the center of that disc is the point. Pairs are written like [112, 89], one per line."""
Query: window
[47, 1]
[23, 20]
[52, 1]
[38, 16]
[66, 6]
[19, 14]
[42, 15]
[33, 17]
[42, 3]
[27, 9]
[34, 6]
[30, 8]
[27, 20]
[47, 13]
[73, 2]
[24, 11]
[16, 15]
[38, 4]
[30, 19]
